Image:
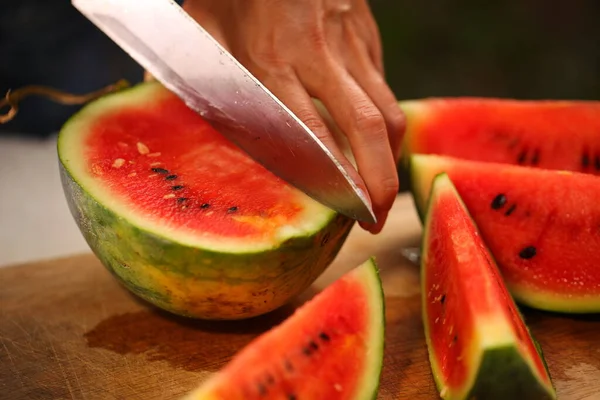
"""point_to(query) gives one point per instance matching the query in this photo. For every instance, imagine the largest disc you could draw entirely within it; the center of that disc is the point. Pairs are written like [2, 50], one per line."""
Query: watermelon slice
[184, 218]
[542, 226]
[479, 347]
[550, 134]
[330, 348]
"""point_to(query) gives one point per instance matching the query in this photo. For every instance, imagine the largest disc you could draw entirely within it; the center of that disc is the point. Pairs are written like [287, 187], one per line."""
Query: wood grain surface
[68, 330]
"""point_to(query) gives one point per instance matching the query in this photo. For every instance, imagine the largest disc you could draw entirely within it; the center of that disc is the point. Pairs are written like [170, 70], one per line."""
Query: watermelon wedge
[184, 218]
[330, 348]
[542, 226]
[549, 134]
[479, 346]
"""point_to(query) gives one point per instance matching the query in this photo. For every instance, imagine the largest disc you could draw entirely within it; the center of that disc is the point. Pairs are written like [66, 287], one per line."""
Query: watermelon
[479, 346]
[182, 217]
[542, 226]
[551, 134]
[330, 348]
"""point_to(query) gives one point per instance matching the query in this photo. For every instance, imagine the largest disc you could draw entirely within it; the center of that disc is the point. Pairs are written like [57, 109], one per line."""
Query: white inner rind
[71, 148]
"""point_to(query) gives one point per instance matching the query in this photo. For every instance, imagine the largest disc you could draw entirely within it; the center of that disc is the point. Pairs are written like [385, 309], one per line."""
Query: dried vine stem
[13, 98]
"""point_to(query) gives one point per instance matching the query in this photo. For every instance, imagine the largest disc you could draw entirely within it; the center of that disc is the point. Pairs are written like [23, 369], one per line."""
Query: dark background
[527, 49]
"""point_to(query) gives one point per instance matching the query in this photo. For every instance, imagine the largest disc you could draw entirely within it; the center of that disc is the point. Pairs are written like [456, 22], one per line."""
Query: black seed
[455, 338]
[443, 299]
[585, 159]
[528, 252]
[205, 205]
[535, 159]
[313, 345]
[522, 156]
[160, 170]
[498, 201]
[307, 351]
[262, 390]
[597, 162]
[270, 379]
[177, 187]
[288, 366]
[171, 177]
[181, 199]
[324, 336]
[325, 239]
[510, 210]
[292, 396]
[232, 209]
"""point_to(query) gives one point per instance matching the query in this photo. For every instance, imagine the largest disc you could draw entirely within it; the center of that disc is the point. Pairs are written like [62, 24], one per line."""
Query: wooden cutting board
[69, 331]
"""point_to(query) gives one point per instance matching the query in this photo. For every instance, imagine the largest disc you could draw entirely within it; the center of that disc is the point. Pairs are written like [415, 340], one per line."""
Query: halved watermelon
[542, 226]
[550, 134]
[183, 217]
[479, 346]
[330, 348]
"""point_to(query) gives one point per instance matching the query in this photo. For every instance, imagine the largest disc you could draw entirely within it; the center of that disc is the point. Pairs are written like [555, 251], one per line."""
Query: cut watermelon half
[183, 217]
[542, 226]
[479, 346]
[330, 348]
[551, 134]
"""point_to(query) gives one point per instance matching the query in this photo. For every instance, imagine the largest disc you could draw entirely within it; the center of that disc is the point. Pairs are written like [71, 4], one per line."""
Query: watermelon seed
[313, 345]
[288, 366]
[528, 252]
[522, 156]
[498, 201]
[142, 148]
[262, 390]
[455, 339]
[306, 351]
[585, 159]
[443, 299]
[270, 379]
[205, 205]
[181, 199]
[510, 210]
[325, 239]
[536, 157]
[597, 162]
[177, 187]
[160, 170]
[118, 163]
[232, 209]
[168, 196]
[157, 154]
[171, 177]
[324, 337]
[292, 396]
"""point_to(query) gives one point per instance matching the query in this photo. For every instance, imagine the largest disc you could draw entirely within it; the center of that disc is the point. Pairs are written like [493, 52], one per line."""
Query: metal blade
[186, 59]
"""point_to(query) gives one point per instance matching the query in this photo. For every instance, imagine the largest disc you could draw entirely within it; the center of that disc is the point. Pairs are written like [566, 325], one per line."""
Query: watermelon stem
[12, 98]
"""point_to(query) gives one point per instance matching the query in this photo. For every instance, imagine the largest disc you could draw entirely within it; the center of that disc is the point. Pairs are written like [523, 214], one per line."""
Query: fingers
[365, 127]
[361, 68]
[286, 86]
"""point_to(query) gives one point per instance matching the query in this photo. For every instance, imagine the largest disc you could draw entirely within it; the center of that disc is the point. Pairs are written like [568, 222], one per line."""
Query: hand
[329, 50]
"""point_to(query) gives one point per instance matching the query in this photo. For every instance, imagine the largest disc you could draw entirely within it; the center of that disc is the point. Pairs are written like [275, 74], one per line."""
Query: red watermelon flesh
[191, 183]
[330, 348]
[550, 134]
[542, 226]
[475, 335]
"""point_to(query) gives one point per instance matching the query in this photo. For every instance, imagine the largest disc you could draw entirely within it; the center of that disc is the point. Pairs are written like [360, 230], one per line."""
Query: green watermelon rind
[495, 365]
[189, 279]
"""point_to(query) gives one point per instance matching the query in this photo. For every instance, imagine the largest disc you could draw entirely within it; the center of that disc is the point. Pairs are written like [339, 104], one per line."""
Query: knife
[187, 60]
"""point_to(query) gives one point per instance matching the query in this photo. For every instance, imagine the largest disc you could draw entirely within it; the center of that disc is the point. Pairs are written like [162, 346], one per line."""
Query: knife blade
[186, 59]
